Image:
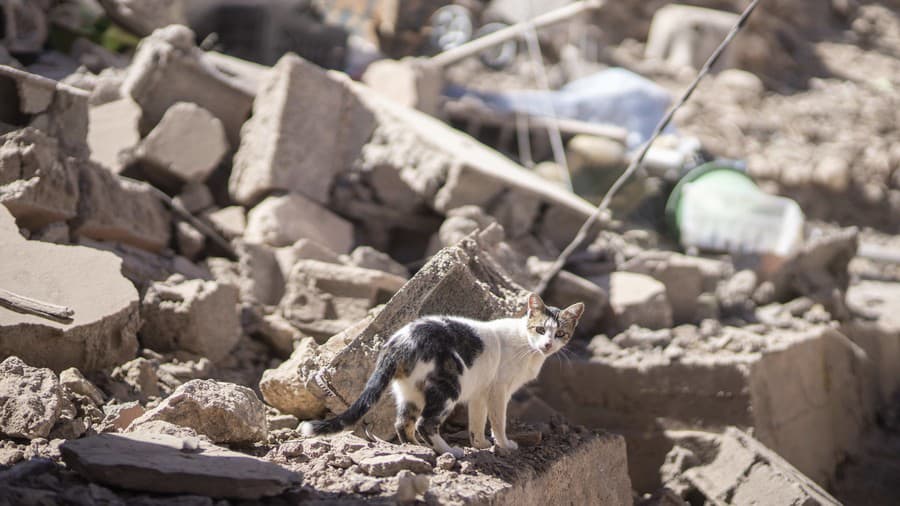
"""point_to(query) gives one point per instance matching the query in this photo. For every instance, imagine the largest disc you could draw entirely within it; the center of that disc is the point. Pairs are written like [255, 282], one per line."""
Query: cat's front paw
[481, 444]
[508, 445]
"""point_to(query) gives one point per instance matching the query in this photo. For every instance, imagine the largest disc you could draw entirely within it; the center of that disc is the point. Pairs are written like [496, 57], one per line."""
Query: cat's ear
[573, 312]
[535, 303]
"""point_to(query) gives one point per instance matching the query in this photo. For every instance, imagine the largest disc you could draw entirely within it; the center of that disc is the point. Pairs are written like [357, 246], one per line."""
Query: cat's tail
[385, 368]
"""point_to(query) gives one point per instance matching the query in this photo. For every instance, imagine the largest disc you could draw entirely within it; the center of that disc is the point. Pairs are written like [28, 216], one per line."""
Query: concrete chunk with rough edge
[103, 330]
[307, 126]
[283, 220]
[734, 468]
[192, 315]
[30, 400]
[165, 464]
[224, 412]
[37, 184]
[186, 145]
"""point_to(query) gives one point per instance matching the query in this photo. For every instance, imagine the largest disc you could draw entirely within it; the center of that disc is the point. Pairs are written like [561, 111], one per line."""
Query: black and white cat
[437, 362]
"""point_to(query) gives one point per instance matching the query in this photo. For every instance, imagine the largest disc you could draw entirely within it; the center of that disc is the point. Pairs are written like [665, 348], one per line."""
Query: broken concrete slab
[323, 291]
[30, 400]
[225, 412]
[304, 249]
[636, 299]
[102, 330]
[192, 315]
[57, 109]
[734, 468]
[307, 126]
[283, 220]
[114, 209]
[166, 464]
[186, 145]
[449, 169]
[37, 184]
[168, 68]
[112, 130]
[771, 383]
[460, 280]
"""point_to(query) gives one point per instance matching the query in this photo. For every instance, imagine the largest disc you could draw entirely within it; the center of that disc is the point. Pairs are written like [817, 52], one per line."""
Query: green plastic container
[716, 207]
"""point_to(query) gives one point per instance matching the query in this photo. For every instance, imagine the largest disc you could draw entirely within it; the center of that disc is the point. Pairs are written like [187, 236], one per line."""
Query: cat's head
[550, 328]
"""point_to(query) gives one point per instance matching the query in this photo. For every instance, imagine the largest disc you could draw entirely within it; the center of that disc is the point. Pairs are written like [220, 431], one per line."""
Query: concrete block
[186, 145]
[112, 130]
[168, 68]
[58, 110]
[304, 249]
[782, 385]
[260, 278]
[734, 468]
[877, 331]
[114, 209]
[102, 331]
[307, 126]
[636, 299]
[282, 221]
[685, 278]
[323, 291]
[37, 184]
[192, 315]
[230, 221]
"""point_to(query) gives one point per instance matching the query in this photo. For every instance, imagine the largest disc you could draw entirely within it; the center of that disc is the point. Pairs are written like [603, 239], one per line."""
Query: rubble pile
[200, 252]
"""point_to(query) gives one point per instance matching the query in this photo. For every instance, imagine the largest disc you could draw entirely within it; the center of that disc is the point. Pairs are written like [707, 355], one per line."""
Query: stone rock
[39, 186]
[318, 291]
[112, 130]
[195, 197]
[876, 329]
[304, 249]
[636, 299]
[114, 209]
[461, 280]
[192, 315]
[187, 145]
[102, 332]
[410, 82]
[230, 221]
[30, 400]
[389, 465]
[119, 416]
[168, 68]
[280, 388]
[283, 220]
[734, 468]
[171, 465]
[735, 294]
[685, 278]
[368, 257]
[73, 380]
[57, 109]
[277, 422]
[225, 412]
[409, 486]
[307, 126]
[164, 428]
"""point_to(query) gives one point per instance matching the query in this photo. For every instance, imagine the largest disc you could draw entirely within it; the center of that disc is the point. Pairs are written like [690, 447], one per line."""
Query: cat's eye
[560, 334]
[539, 330]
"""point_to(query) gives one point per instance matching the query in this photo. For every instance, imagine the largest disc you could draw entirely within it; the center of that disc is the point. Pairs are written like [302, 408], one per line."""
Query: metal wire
[636, 162]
